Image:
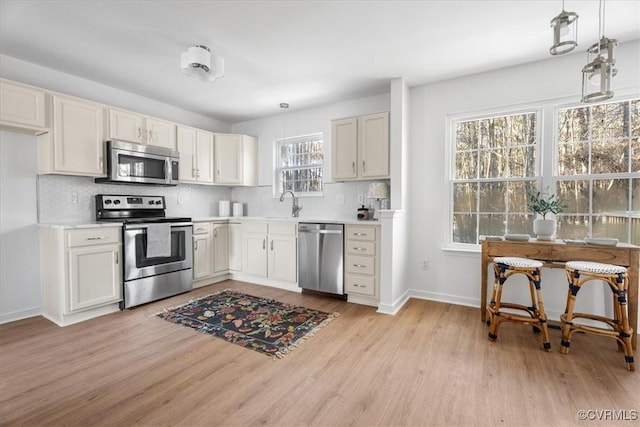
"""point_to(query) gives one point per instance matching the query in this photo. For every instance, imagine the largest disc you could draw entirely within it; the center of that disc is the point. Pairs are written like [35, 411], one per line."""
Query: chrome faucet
[295, 209]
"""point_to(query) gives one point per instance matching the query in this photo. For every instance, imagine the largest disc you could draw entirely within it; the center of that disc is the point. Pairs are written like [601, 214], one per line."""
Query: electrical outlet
[72, 197]
[425, 264]
[360, 198]
[340, 199]
[180, 199]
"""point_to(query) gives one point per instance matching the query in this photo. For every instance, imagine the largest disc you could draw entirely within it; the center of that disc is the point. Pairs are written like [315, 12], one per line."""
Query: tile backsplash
[64, 199]
[72, 198]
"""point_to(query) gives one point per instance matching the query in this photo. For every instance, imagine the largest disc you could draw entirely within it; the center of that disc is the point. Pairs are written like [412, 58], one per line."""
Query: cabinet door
[202, 256]
[161, 133]
[78, 133]
[344, 147]
[283, 260]
[186, 142]
[204, 157]
[235, 247]
[22, 105]
[126, 126]
[95, 276]
[255, 259]
[373, 140]
[228, 159]
[220, 248]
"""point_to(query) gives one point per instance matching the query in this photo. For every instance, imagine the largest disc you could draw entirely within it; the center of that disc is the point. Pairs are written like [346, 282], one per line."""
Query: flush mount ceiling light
[600, 68]
[198, 61]
[565, 32]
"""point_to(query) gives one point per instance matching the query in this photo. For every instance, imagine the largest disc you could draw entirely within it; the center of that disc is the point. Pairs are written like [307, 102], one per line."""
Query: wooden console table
[555, 254]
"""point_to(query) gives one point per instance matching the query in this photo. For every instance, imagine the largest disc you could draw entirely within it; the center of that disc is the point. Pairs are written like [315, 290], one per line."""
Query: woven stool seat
[518, 262]
[595, 267]
[581, 272]
[534, 315]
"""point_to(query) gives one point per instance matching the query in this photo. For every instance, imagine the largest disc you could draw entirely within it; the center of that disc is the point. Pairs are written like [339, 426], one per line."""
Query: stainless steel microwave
[129, 163]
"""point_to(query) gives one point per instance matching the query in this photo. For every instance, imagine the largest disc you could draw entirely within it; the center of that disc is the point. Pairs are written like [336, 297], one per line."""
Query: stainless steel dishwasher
[320, 257]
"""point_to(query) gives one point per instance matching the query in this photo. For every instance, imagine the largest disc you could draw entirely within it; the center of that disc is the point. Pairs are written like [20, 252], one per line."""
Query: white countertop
[94, 224]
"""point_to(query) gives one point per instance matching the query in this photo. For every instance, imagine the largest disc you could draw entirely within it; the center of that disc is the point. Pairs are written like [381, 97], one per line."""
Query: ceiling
[306, 53]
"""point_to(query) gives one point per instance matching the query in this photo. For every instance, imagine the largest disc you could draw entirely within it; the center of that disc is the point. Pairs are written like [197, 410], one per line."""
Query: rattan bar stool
[579, 273]
[505, 267]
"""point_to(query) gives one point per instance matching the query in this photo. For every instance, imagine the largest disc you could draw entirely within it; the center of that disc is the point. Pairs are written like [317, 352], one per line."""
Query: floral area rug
[267, 326]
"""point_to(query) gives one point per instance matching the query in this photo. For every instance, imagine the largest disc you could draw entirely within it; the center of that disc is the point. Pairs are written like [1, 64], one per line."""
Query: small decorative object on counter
[543, 203]
[224, 208]
[238, 209]
[363, 213]
[378, 191]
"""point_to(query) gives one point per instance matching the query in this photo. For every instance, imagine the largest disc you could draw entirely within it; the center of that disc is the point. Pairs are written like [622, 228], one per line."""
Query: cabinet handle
[139, 133]
[353, 166]
[357, 285]
[200, 229]
[96, 238]
[215, 232]
[264, 244]
[197, 173]
[196, 245]
[150, 137]
[218, 173]
[272, 245]
[359, 234]
[359, 249]
[117, 258]
[363, 168]
[359, 265]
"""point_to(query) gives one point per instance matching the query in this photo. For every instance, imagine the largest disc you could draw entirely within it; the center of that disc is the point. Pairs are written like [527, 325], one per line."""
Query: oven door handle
[143, 226]
[167, 170]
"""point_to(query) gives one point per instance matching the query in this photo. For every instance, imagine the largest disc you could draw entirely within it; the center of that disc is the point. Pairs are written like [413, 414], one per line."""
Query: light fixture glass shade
[198, 61]
[378, 190]
[597, 74]
[565, 33]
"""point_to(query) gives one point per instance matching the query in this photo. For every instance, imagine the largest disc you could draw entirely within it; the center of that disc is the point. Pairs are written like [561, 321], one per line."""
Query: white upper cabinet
[76, 146]
[360, 147]
[22, 108]
[236, 160]
[228, 159]
[196, 155]
[132, 127]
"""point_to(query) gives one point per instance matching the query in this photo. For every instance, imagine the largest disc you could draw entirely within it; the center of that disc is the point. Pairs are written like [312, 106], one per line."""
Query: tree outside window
[299, 164]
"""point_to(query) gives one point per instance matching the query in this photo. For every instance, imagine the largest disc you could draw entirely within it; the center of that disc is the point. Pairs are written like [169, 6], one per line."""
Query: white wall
[455, 276]
[19, 249]
[260, 201]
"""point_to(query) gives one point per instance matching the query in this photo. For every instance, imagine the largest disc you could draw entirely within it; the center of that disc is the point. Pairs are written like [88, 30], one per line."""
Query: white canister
[224, 208]
[238, 209]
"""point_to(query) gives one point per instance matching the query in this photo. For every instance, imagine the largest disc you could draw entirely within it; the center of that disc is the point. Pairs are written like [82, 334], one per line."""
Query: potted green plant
[543, 203]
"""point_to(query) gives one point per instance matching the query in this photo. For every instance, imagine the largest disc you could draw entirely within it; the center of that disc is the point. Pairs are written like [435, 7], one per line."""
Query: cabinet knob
[363, 168]
[353, 166]
[96, 238]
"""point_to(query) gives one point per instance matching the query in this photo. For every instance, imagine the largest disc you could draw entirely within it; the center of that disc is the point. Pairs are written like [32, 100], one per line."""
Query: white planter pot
[544, 229]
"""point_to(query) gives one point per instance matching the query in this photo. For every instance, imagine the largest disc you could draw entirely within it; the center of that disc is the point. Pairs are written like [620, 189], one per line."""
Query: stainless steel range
[157, 253]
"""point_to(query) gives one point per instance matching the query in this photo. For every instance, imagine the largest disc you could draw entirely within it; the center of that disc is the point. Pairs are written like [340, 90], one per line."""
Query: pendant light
[565, 32]
[600, 68]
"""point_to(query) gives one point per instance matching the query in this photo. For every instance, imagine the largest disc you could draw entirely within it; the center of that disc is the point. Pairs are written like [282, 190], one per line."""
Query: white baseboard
[392, 309]
[440, 297]
[19, 315]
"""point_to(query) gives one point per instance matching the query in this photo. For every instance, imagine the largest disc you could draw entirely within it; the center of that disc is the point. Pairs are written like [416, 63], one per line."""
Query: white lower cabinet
[362, 264]
[270, 250]
[82, 273]
[210, 252]
[235, 247]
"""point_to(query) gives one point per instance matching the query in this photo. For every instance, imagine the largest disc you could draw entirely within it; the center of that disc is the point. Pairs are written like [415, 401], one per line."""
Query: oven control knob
[107, 202]
[158, 202]
[150, 202]
[116, 202]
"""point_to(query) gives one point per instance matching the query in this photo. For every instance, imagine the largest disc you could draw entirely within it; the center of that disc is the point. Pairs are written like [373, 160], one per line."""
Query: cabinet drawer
[255, 227]
[361, 233]
[363, 285]
[93, 236]
[355, 247]
[287, 228]
[360, 265]
[201, 227]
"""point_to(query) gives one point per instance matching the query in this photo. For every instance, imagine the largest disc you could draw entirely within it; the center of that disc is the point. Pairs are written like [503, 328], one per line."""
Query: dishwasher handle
[306, 230]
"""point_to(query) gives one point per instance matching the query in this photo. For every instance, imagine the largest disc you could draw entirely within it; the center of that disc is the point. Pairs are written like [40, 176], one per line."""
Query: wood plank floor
[431, 364]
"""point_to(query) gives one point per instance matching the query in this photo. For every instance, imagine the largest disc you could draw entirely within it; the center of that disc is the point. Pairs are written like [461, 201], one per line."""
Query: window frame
[277, 169]
[450, 170]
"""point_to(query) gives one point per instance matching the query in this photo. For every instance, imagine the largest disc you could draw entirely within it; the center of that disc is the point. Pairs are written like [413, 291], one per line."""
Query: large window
[494, 163]
[299, 165]
[598, 171]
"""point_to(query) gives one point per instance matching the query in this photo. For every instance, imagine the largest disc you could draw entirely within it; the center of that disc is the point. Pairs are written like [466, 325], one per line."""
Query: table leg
[483, 283]
[634, 277]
